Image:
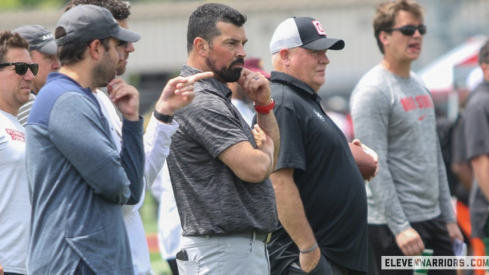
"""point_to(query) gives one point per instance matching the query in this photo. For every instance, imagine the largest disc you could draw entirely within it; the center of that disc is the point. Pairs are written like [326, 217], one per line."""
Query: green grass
[149, 215]
[159, 266]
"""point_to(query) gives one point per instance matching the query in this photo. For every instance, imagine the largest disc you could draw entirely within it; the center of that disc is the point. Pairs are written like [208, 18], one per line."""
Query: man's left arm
[132, 157]
[257, 89]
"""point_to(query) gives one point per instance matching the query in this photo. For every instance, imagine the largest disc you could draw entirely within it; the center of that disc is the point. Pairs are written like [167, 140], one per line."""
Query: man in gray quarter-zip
[78, 180]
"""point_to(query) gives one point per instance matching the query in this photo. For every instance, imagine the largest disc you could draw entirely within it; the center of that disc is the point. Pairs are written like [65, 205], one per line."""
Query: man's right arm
[293, 217]
[476, 134]
[177, 93]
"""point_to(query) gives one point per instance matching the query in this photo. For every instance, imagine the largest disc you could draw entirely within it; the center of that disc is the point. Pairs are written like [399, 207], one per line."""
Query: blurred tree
[30, 3]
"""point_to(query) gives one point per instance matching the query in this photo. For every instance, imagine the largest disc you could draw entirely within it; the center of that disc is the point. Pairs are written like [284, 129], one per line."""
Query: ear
[285, 56]
[95, 49]
[484, 66]
[201, 46]
[485, 71]
[384, 38]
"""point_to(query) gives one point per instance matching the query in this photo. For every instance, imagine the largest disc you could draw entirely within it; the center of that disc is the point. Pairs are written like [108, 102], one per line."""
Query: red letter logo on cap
[319, 28]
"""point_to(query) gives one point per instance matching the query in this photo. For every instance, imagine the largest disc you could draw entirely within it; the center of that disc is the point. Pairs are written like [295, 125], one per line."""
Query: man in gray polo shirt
[219, 175]
[475, 129]
[42, 50]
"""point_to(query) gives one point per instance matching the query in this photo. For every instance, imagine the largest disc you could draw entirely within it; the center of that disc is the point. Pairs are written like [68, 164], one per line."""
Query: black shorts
[433, 233]
[324, 267]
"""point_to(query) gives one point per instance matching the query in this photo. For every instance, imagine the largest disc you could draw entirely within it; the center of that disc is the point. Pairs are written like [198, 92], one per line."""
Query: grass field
[149, 214]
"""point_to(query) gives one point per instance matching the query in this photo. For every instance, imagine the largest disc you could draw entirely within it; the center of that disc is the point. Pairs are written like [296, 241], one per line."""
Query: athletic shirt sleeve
[212, 123]
[292, 149]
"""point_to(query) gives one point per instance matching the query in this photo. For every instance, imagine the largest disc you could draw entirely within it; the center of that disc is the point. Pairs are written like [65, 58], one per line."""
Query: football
[365, 162]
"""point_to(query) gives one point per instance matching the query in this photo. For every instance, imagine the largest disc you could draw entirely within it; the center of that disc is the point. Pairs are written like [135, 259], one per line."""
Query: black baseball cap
[84, 23]
[305, 32]
[39, 38]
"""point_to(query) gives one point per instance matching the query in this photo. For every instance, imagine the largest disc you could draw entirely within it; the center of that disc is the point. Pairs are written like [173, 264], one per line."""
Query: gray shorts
[223, 255]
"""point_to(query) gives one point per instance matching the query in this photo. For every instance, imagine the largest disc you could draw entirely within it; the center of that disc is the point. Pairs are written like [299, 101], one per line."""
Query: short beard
[226, 74]
[103, 72]
[120, 70]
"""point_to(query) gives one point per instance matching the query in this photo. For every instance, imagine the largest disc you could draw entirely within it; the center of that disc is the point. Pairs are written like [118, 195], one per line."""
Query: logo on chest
[16, 134]
[319, 115]
[418, 102]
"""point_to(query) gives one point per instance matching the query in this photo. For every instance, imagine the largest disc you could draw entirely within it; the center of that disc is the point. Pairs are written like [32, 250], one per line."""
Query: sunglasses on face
[122, 43]
[409, 30]
[21, 67]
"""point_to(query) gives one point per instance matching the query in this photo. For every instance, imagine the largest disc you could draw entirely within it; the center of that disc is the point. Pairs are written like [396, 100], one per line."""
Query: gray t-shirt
[395, 116]
[476, 133]
[210, 198]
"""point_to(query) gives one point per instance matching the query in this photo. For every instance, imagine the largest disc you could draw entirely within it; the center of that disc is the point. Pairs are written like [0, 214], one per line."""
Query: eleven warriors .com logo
[423, 263]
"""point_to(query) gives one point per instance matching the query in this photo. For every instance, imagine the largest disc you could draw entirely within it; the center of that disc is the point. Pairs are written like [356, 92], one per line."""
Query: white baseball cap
[305, 32]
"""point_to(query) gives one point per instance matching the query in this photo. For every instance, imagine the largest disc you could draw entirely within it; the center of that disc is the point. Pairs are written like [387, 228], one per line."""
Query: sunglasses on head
[21, 67]
[409, 30]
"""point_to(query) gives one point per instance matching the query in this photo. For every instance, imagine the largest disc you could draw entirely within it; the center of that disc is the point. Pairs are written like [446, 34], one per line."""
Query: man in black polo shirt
[320, 193]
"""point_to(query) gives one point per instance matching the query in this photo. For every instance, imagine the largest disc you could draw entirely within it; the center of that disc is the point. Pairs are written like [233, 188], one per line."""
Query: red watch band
[265, 109]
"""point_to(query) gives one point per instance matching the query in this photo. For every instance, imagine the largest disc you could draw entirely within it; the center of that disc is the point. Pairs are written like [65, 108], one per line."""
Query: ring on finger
[255, 78]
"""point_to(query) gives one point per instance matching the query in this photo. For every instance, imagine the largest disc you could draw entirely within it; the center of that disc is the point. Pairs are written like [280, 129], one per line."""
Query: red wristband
[265, 109]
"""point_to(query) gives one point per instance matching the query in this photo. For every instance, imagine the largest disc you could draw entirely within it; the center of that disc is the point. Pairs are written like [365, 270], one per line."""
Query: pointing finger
[200, 76]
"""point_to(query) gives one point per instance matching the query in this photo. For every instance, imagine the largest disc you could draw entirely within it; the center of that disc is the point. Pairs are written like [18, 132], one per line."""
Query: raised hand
[125, 98]
[255, 86]
[178, 93]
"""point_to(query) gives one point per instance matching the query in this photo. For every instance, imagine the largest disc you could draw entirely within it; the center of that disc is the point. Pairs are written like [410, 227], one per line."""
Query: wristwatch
[163, 118]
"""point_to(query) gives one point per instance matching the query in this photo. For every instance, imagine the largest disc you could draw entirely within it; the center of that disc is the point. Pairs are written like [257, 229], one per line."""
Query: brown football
[365, 162]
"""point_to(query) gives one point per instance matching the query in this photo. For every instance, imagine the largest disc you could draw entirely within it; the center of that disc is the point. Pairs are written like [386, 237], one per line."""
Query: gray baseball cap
[84, 23]
[39, 38]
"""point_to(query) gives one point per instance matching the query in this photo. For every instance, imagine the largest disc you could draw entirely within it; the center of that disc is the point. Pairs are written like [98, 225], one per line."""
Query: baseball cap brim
[325, 44]
[49, 48]
[127, 35]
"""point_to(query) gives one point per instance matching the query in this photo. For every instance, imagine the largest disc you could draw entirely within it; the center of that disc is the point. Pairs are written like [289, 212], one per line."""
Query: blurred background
[456, 31]
[162, 50]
